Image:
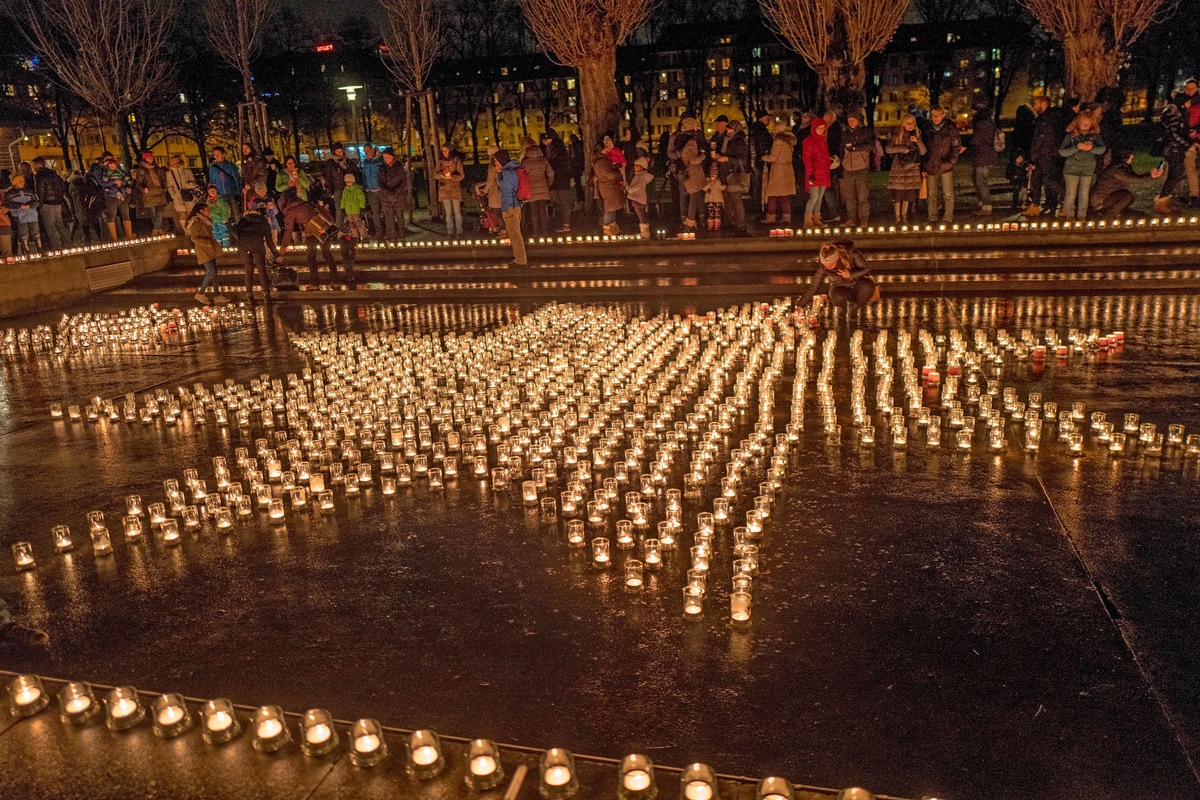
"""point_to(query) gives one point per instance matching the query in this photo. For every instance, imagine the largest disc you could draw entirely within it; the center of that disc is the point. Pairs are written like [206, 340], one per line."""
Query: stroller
[487, 217]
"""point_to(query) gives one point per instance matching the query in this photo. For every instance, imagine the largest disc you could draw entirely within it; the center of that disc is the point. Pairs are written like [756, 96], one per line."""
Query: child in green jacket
[354, 200]
[218, 209]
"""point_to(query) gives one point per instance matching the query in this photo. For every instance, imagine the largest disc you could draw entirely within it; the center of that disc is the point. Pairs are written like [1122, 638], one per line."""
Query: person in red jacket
[816, 171]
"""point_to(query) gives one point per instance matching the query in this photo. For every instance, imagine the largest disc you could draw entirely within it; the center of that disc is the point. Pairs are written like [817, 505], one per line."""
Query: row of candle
[91, 248]
[317, 734]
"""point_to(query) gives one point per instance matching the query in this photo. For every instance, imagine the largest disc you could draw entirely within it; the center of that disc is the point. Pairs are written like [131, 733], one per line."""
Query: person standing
[638, 192]
[23, 209]
[1080, 147]
[907, 149]
[607, 179]
[449, 179]
[371, 164]
[692, 181]
[578, 161]
[150, 185]
[51, 191]
[87, 203]
[181, 186]
[393, 187]
[227, 179]
[298, 182]
[834, 130]
[560, 185]
[254, 242]
[1043, 156]
[254, 171]
[858, 148]
[199, 227]
[115, 182]
[541, 176]
[354, 202]
[1175, 144]
[510, 205]
[943, 148]
[760, 142]
[335, 169]
[817, 173]
[218, 212]
[981, 151]
[735, 174]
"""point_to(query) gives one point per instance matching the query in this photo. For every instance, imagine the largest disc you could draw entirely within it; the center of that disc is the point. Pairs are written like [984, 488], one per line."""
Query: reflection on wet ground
[979, 624]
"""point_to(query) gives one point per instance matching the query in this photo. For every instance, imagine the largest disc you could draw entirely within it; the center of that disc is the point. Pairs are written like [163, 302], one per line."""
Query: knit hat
[387, 151]
[760, 113]
[830, 254]
[689, 124]
[721, 118]
[337, 146]
[502, 157]
[644, 163]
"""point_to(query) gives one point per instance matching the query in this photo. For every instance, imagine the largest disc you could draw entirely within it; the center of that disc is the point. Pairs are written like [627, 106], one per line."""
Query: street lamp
[352, 97]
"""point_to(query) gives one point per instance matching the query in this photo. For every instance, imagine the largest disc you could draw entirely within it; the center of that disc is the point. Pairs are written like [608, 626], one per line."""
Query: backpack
[523, 190]
[998, 142]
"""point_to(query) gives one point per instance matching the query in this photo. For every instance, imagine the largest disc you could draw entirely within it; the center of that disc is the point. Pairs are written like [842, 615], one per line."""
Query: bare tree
[412, 31]
[111, 53]
[236, 29]
[834, 37]
[1096, 36]
[585, 34]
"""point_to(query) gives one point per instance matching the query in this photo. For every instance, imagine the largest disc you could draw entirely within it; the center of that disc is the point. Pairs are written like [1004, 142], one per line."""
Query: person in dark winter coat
[253, 242]
[51, 191]
[907, 149]
[393, 184]
[1043, 156]
[449, 178]
[1022, 132]
[1111, 196]
[150, 189]
[736, 164]
[87, 201]
[1175, 145]
[578, 162]
[319, 229]
[858, 148]
[560, 186]
[254, 170]
[759, 139]
[944, 147]
[981, 150]
[844, 270]
[541, 176]
[334, 170]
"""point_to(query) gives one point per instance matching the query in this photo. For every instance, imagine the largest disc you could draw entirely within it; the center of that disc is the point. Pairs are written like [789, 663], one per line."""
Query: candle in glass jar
[636, 780]
[367, 743]
[27, 696]
[124, 707]
[698, 790]
[557, 776]
[425, 755]
[270, 728]
[170, 715]
[317, 734]
[483, 765]
[78, 704]
[221, 721]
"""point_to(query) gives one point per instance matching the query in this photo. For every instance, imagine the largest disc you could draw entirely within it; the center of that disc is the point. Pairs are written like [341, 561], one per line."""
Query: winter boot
[112, 231]
[1164, 205]
[769, 219]
[128, 229]
[1031, 210]
[899, 214]
[644, 230]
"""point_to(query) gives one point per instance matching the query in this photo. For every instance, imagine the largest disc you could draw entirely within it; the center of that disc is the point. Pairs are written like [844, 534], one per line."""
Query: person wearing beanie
[335, 169]
[560, 186]
[393, 186]
[844, 274]
[150, 187]
[760, 140]
[510, 205]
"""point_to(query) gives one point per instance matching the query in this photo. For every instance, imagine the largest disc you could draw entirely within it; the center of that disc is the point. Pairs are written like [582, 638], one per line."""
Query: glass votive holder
[529, 493]
[1174, 435]
[549, 509]
[1033, 439]
[666, 534]
[866, 436]
[318, 735]
[425, 759]
[693, 604]
[275, 510]
[95, 520]
[749, 553]
[170, 716]
[484, 770]
[1075, 444]
[351, 486]
[101, 542]
[742, 582]
[625, 539]
[1098, 418]
[219, 722]
[775, 789]
[933, 436]
[635, 779]
[1117, 444]
[133, 505]
[1131, 423]
[316, 482]
[23, 556]
[170, 532]
[652, 554]
[1104, 433]
[1146, 431]
[123, 709]
[739, 609]
[601, 557]
[299, 497]
[499, 478]
[367, 745]
[720, 510]
[77, 703]
[633, 576]
[556, 771]
[26, 695]
[575, 533]
[270, 729]
[705, 521]
[963, 438]
[700, 557]
[1154, 445]
[569, 505]
[434, 481]
[62, 538]
[1191, 446]
[1078, 413]
[754, 523]
[698, 782]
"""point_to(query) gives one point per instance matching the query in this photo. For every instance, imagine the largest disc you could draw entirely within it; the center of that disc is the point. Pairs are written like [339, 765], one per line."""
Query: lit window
[756, 52]
[495, 98]
[712, 82]
[182, 98]
[521, 87]
[629, 97]
[570, 102]
[725, 82]
[774, 69]
[662, 94]
[571, 83]
[757, 70]
[662, 77]
[627, 80]
[554, 86]
[504, 70]
[712, 65]
[681, 93]
[724, 63]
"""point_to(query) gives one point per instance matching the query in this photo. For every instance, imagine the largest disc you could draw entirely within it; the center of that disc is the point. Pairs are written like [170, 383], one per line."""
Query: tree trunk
[841, 86]
[598, 95]
[429, 132]
[1090, 66]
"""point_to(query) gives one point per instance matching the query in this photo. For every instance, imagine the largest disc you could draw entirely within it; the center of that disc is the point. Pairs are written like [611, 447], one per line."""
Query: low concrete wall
[46, 283]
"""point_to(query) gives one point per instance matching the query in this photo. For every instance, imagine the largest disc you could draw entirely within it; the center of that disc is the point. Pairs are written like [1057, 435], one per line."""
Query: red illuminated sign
[324, 48]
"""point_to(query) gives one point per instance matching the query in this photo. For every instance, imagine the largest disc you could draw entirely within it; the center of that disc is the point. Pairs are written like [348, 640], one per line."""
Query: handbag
[738, 182]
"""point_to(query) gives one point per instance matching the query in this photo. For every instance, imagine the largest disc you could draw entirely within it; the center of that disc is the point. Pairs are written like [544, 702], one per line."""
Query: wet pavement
[979, 626]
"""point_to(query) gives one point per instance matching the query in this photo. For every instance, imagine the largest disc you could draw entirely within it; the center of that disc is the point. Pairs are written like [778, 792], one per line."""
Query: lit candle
[78, 704]
[636, 780]
[221, 721]
[170, 715]
[27, 696]
[367, 743]
[270, 728]
[483, 765]
[124, 708]
[698, 790]
[425, 755]
[318, 734]
[557, 776]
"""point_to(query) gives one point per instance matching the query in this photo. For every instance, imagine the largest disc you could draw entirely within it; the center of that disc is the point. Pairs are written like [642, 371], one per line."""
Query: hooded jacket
[199, 230]
[393, 182]
[816, 157]
[693, 164]
[226, 177]
[16, 197]
[608, 177]
[560, 163]
[508, 186]
[541, 174]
